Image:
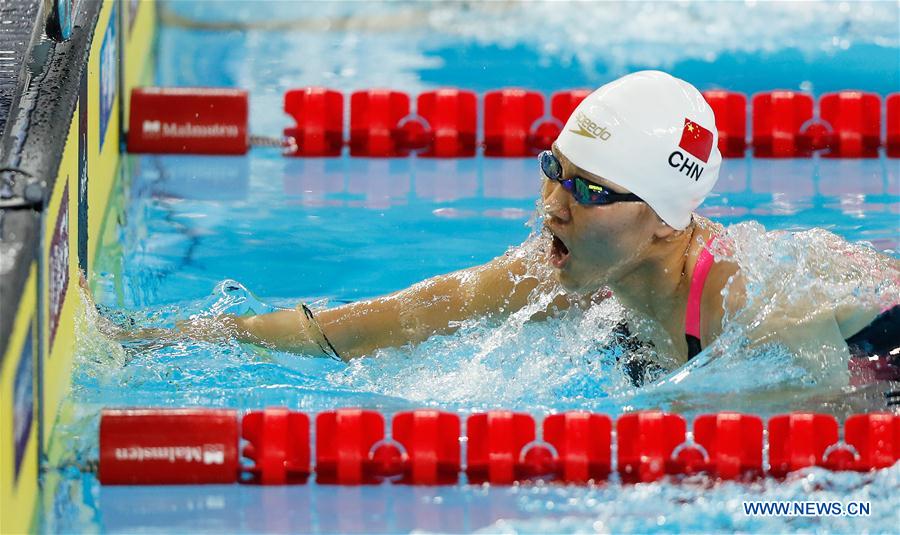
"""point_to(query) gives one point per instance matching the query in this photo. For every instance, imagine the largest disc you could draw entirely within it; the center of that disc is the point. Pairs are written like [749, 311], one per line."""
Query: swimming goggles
[584, 191]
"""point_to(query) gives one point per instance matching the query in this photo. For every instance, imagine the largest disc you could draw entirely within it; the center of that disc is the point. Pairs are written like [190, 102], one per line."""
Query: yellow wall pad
[139, 23]
[18, 417]
[102, 118]
[60, 281]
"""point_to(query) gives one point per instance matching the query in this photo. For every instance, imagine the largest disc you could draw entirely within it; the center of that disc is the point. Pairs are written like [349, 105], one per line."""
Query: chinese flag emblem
[696, 140]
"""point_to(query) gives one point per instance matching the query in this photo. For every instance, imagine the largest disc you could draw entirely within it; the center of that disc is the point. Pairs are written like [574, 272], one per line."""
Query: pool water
[205, 235]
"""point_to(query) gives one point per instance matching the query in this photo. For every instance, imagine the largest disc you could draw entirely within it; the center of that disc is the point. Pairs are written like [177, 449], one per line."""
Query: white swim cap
[651, 133]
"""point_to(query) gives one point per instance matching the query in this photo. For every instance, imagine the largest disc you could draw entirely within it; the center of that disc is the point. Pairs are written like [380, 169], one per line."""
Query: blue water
[330, 231]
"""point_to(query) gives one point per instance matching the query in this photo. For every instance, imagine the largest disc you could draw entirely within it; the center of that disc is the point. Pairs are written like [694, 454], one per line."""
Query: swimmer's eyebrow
[570, 169]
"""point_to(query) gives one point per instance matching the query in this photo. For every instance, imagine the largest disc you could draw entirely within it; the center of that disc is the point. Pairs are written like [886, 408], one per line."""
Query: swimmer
[619, 191]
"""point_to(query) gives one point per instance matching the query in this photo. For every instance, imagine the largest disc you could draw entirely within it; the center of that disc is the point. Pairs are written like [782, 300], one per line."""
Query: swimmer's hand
[116, 332]
[207, 329]
[106, 327]
[285, 330]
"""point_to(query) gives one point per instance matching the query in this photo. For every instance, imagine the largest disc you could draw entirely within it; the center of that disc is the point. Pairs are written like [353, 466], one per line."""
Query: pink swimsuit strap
[698, 279]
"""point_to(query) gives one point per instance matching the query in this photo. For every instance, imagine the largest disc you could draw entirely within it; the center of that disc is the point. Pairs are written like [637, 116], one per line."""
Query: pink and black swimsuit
[874, 350]
[692, 313]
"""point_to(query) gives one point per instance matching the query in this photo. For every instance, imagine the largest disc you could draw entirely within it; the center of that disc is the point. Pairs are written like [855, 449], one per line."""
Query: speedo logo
[588, 128]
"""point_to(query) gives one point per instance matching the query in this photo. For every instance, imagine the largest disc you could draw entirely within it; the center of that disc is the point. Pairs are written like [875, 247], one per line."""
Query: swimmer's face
[593, 245]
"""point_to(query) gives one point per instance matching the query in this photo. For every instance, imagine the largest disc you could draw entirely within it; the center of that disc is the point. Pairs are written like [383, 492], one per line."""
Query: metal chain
[267, 141]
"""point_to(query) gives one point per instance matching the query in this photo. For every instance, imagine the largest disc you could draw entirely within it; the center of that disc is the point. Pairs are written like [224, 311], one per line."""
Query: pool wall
[63, 141]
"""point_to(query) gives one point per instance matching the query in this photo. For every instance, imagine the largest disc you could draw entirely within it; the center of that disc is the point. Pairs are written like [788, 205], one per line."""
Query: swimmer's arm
[285, 329]
[724, 292]
[407, 316]
[795, 327]
[434, 306]
[805, 329]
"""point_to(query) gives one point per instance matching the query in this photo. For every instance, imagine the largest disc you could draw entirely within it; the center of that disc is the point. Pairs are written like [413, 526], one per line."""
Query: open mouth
[559, 253]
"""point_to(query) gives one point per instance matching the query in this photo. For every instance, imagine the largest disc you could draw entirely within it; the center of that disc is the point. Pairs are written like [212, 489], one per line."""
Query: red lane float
[375, 117]
[445, 125]
[876, 438]
[733, 444]
[177, 446]
[799, 440]
[583, 443]
[780, 119]
[855, 120]
[278, 445]
[495, 443]
[344, 439]
[892, 141]
[508, 118]
[647, 441]
[186, 120]
[319, 116]
[730, 109]
[562, 104]
[431, 441]
[452, 119]
[168, 446]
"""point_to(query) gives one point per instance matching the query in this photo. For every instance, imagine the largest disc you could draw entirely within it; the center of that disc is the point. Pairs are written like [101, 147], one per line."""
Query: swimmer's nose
[556, 202]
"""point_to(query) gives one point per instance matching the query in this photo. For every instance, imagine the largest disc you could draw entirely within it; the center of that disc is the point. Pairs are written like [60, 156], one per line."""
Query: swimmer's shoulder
[725, 287]
[724, 292]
